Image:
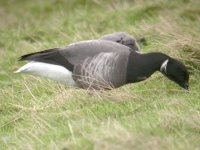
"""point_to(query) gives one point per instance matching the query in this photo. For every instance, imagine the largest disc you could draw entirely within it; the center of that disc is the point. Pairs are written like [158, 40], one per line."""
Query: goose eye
[118, 41]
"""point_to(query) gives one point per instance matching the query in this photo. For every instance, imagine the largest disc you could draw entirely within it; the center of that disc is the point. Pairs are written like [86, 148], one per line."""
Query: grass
[155, 114]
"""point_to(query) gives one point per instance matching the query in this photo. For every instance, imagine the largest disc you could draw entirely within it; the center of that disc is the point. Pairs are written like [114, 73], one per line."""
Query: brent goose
[122, 38]
[101, 64]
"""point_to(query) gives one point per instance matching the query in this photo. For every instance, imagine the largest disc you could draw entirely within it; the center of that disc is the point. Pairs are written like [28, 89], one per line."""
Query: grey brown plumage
[101, 64]
[122, 38]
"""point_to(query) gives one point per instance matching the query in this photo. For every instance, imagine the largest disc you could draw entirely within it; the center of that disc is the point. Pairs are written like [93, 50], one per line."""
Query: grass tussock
[155, 114]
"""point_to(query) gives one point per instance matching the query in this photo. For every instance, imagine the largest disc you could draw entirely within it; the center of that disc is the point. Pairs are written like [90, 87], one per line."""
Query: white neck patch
[163, 67]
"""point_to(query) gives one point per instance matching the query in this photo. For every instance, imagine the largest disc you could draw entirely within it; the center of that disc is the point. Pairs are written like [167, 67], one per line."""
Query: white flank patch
[164, 66]
[51, 71]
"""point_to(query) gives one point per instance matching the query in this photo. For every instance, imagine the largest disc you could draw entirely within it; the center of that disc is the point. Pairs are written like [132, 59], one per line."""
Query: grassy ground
[155, 114]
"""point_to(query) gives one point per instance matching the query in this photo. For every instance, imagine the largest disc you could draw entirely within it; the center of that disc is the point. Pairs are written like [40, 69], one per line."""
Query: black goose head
[176, 71]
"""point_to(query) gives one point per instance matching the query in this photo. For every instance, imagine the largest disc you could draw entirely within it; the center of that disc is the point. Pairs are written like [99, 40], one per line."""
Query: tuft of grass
[155, 114]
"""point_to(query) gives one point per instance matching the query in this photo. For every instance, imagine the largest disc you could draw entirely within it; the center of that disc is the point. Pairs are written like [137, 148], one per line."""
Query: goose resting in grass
[101, 64]
[122, 38]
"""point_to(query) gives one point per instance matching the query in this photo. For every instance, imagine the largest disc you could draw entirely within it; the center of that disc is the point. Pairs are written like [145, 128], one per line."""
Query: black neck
[141, 66]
